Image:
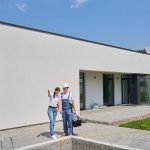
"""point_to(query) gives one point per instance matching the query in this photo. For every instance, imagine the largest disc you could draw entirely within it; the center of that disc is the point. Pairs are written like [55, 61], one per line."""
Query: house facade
[33, 61]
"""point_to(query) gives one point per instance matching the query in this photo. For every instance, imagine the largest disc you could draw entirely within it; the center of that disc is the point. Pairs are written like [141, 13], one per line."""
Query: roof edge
[67, 36]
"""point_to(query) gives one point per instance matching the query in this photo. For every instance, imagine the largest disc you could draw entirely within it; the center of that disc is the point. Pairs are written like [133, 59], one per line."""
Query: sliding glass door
[145, 89]
[128, 88]
[82, 91]
[108, 89]
[125, 92]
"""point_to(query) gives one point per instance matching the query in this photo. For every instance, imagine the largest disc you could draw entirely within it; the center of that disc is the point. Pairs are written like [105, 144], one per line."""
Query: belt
[52, 107]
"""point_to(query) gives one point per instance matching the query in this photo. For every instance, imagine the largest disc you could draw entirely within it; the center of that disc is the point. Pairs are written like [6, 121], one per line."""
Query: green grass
[143, 124]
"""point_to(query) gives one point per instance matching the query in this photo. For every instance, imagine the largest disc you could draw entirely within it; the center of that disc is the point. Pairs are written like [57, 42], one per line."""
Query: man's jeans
[67, 121]
[52, 113]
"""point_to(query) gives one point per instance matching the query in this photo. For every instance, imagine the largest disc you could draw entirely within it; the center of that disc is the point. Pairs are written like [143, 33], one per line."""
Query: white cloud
[22, 7]
[78, 3]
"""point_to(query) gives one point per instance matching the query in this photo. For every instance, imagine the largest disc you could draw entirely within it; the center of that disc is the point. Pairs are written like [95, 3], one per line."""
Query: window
[145, 89]
[82, 91]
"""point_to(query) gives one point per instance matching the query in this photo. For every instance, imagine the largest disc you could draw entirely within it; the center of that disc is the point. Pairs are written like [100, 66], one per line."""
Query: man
[68, 105]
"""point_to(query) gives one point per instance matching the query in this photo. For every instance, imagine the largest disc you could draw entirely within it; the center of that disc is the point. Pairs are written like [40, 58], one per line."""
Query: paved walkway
[40, 133]
[116, 114]
[107, 133]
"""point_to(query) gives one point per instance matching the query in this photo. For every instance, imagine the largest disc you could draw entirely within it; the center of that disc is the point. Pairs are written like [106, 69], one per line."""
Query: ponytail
[56, 89]
[54, 94]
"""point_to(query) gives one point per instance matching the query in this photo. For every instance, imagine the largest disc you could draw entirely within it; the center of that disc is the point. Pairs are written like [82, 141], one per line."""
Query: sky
[124, 23]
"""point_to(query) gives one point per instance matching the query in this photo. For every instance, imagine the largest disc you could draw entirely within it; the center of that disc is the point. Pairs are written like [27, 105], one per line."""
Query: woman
[54, 107]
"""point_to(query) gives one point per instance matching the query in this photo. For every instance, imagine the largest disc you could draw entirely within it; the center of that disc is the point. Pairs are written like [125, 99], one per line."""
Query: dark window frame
[113, 101]
[84, 101]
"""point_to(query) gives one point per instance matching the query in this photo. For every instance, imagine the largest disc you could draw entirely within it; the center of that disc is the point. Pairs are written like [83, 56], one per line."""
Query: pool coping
[77, 138]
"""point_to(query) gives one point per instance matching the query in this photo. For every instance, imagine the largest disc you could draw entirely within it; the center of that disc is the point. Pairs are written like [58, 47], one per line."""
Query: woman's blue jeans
[52, 113]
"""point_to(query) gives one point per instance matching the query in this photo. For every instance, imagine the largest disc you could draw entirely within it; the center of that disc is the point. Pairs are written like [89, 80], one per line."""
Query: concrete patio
[117, 114]
[134, 138]
[114, 135]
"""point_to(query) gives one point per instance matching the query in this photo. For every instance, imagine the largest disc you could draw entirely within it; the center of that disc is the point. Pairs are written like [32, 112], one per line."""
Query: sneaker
[54, 137]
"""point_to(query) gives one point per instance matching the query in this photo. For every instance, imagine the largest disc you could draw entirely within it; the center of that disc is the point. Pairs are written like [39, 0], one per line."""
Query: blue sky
[124, 23]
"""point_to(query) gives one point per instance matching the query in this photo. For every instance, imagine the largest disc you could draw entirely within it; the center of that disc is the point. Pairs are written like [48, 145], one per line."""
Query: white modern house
[33, 61]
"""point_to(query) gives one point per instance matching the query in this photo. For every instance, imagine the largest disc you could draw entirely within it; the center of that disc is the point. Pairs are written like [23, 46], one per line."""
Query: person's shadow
[47, 134]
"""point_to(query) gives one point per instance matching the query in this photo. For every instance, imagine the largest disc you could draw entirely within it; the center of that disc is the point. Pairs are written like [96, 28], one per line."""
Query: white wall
[117, 89]
[93, 88]
[31, 62]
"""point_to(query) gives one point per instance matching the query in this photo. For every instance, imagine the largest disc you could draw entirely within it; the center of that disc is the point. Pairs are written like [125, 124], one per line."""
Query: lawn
[143, 124]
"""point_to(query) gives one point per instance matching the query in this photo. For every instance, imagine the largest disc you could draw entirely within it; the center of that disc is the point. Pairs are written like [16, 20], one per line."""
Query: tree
[144, 51]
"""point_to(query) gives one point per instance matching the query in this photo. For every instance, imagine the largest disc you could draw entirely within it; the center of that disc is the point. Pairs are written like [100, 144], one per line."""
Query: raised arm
[49, 94]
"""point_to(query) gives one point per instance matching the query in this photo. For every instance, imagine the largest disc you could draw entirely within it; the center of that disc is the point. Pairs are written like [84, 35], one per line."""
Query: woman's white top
[53, 102]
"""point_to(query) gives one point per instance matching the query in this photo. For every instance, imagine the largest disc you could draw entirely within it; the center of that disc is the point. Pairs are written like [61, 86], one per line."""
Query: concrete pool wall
[75, 143]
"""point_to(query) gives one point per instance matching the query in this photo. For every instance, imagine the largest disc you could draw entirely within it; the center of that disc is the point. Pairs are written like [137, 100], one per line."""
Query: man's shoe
[69, 134]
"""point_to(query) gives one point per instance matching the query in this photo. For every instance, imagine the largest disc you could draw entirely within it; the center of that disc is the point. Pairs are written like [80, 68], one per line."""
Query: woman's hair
[56, 89]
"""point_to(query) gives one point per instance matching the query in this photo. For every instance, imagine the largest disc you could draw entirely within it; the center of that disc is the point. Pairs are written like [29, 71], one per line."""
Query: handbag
[76, 120]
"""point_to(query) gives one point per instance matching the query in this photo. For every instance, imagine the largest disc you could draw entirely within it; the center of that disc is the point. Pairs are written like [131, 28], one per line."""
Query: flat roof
[70, 37]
